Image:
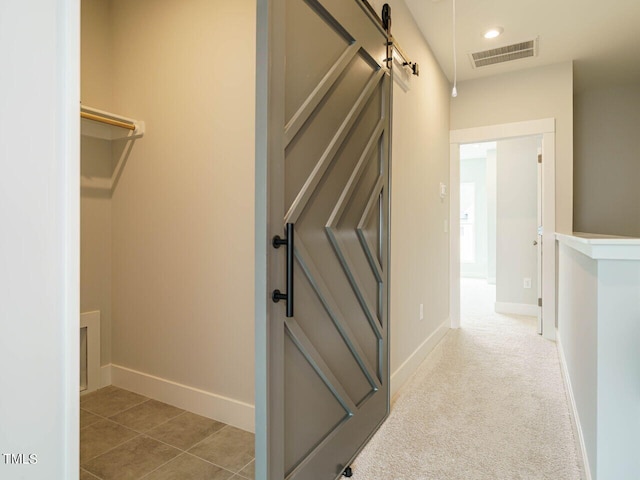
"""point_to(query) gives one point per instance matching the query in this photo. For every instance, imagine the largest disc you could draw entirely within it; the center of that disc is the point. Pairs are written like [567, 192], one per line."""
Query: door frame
[547, 129]
[269, 457]
[539, 220]
[52, 44]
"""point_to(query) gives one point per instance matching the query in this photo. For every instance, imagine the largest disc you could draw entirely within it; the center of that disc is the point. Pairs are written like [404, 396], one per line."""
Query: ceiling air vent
[504, 54]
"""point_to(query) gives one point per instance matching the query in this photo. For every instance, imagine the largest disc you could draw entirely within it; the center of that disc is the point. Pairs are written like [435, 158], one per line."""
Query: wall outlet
[422, 311]
[527, 283]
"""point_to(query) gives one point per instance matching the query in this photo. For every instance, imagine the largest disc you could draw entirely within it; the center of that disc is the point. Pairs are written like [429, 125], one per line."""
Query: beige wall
[181, 246]
[419, 245]
[96, 54]
[607, 161]
[183, 210]
[545, 92]
[96, 156]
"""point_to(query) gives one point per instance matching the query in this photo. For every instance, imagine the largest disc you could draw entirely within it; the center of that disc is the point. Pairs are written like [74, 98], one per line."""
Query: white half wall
[599, 333]
[578, 337]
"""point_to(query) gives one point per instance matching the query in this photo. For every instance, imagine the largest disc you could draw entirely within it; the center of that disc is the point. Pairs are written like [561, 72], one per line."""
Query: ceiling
[601, 37]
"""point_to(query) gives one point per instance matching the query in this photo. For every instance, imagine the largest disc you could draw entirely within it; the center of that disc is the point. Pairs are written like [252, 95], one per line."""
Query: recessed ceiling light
[493, 32]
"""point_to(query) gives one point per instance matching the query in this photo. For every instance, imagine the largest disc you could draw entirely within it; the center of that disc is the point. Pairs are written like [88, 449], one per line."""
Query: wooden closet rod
[107, 120]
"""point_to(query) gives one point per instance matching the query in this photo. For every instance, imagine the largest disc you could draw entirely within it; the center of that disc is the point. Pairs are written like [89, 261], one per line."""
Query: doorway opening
[540, 135]
[166, 180]
[500, 216]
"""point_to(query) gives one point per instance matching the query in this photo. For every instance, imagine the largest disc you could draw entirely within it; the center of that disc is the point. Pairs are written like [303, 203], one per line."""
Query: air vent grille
[504, 54]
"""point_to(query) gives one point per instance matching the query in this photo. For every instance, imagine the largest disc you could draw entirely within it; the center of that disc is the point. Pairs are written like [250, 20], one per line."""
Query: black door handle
[277, 294]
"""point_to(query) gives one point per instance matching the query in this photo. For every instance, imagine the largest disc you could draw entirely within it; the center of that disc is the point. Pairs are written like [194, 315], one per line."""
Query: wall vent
[89, 352]
[507, 53]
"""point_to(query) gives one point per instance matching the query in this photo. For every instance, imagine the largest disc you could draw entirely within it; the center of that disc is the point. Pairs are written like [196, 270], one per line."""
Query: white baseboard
[517, 309]
[574, 410]
[207, 404]
[411, 364]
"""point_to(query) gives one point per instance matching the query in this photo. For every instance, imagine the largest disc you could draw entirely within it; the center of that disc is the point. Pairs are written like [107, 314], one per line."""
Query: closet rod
[108, 121]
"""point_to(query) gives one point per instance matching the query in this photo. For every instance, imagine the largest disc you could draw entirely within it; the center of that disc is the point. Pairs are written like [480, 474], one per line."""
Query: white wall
[599, 333]
[475, 171]
[492, 215]
[419, 245]
[536, 93]
[39, 244]
[578, 337]
[607, 162]
[516, 258]
[618, 369]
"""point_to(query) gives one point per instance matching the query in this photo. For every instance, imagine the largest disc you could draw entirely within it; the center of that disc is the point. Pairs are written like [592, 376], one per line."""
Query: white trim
[603, 247]
[91, 321]
[574, 410]
[492, 133]
[67, 75]
[411, 364]
[211, 405]
[517, 309]
[549, 255]
[546, 128]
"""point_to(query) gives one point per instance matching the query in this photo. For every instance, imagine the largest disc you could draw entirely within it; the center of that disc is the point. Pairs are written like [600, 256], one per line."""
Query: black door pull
[277, 294]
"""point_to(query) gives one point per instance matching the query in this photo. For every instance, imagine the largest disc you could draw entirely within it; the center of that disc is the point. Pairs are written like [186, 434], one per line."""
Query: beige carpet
[493, 406]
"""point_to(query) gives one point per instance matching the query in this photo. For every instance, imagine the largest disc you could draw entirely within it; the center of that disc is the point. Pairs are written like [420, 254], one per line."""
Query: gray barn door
[326, 134]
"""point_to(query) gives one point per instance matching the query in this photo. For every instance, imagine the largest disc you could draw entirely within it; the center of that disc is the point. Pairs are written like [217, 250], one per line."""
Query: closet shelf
[108, 126]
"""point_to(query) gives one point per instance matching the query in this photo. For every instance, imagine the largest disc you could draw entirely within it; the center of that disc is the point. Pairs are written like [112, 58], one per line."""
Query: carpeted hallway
[492, 405]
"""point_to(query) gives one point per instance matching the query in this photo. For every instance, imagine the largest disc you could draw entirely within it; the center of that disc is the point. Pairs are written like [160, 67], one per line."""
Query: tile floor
[125, 436]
